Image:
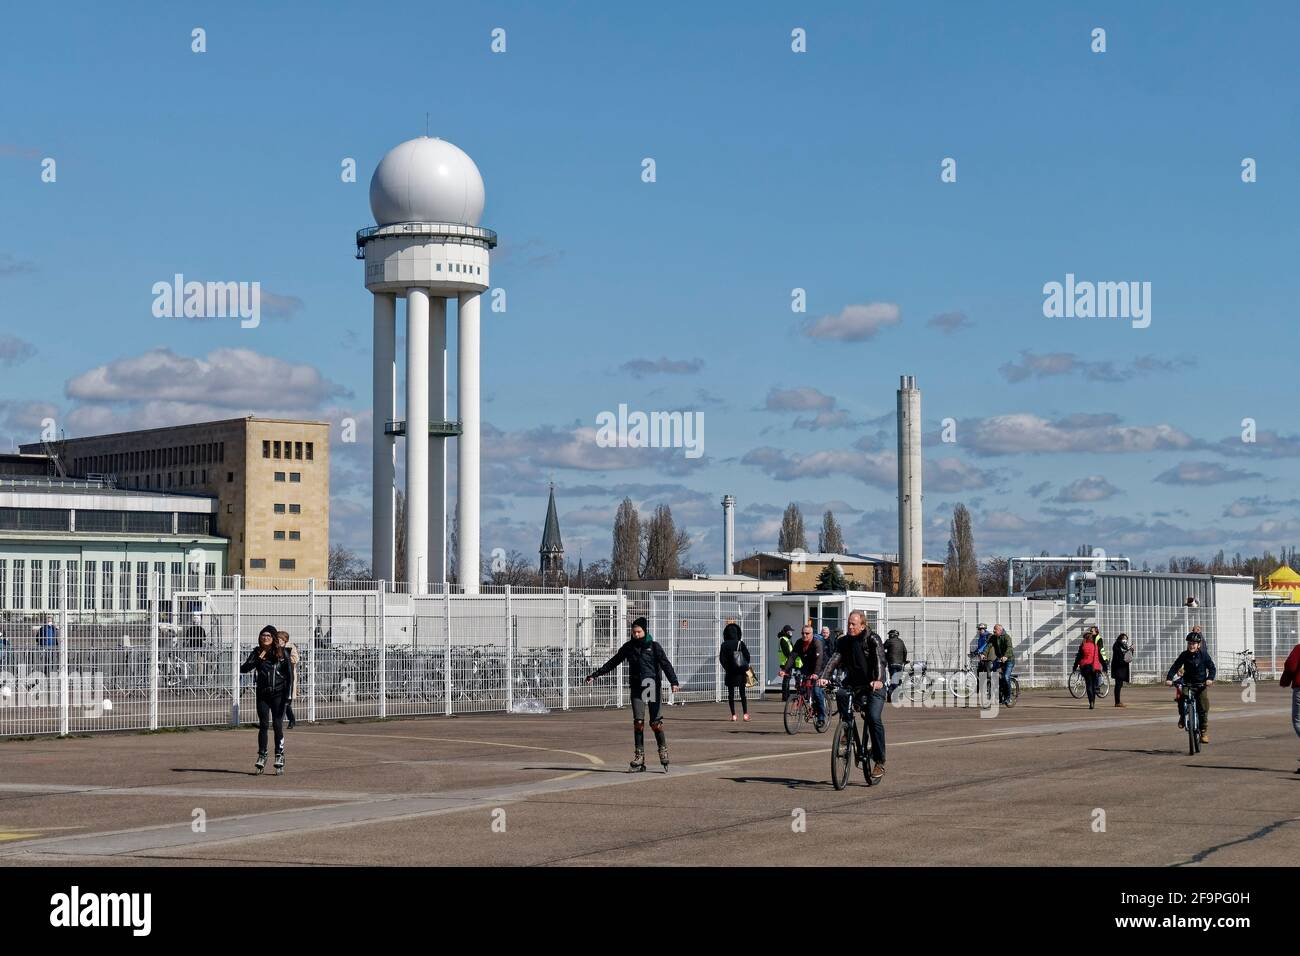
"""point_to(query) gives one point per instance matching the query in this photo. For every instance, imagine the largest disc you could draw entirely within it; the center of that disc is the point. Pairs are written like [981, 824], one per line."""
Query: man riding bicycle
[862, 654]
[1001, 658]
[804, 657]
[1198, 669]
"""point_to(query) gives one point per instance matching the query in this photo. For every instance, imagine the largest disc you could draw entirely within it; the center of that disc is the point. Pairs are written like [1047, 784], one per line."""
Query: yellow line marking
[6, 835]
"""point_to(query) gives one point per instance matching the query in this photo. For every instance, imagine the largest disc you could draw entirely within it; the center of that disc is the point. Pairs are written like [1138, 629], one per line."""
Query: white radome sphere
[426, 180]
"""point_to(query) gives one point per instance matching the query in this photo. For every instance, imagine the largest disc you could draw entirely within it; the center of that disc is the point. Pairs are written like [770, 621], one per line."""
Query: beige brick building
[872, 572]
[271, 478]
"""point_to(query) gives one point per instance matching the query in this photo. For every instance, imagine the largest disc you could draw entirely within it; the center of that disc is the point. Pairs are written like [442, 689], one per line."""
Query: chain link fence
[367, 650]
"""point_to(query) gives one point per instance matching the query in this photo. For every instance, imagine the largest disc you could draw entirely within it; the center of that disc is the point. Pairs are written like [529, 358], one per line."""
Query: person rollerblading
[647, 664]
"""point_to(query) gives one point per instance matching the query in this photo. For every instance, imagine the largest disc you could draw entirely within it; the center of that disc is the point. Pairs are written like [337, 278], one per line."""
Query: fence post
[510, 658]
[381, 631]
[622, 637]
[672, 637]
[565, 663]
[311, 661]
[446, 633]
[1273, 641]
[717, 629]
[234, 651]
[63, 657]
[153, 652]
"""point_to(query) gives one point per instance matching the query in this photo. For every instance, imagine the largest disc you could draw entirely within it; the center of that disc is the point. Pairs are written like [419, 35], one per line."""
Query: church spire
[552, 549]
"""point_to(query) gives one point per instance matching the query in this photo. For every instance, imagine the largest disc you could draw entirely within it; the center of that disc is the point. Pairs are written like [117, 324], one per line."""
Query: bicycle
[1013, 685]
[915, 686]
[965, 681]
[1191, 717]
[1246, 667]
[1078, 689]
[847, 741]
[800, 709]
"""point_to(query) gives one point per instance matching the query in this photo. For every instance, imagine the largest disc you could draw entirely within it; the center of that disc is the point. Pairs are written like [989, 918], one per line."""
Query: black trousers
[731, 699]
[785, 687]
[270, 709]
[1090, 682]
[1119, 686]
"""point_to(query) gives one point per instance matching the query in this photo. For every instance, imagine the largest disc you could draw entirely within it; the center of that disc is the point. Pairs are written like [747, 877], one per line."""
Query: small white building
[107, 542]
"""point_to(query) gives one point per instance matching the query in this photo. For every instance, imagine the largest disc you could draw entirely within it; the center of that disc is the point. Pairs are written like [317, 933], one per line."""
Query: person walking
[273, 676]
[1089, 664]
[895, 658]
[647, 663]
[1291, 678]
[282, 639]
[734, 658]
[784, 648]
[1123, 656]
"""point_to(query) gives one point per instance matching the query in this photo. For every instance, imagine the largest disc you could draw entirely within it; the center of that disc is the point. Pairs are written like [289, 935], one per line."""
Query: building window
[205, 476]
[191, 477]
[56, 580]
[297, 450]
[124, 583]
[310, 450]
[221, 453]
[73, 578]
[160, 577]
[276, 447]
[295, 535]
[20, 588]
[194, 583]
[288, 564]
[178, 580]
[230, 477]
[257, 564]
[295, 476]
[38, 585]
[295, 509]
[279, 536]
[107, 596]
[142, 584]
[279, 476]
[210, 573]
[230, 509]
[88, 591]
[266, 449]
[4, 571]
[279, 509]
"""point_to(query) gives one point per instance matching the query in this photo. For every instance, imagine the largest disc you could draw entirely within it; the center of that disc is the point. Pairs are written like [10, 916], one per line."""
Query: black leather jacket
[862, 657]
[270, 675]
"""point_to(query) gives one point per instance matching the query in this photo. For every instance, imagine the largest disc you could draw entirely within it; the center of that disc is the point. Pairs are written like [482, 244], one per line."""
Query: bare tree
[344, 565]
[792, 534]
[961, 545]
[625, 559]
[830, 540]
[599, 575]
[993, 576]
[665, 546]
[399, 538]
[516, 569]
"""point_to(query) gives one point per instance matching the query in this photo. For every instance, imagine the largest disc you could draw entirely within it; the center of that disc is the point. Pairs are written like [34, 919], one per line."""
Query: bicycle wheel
[1075, 684]
[795, 714]
[1013, 693]
[962, 684]
[1103, 685]
[841, 755]
[1193, 728]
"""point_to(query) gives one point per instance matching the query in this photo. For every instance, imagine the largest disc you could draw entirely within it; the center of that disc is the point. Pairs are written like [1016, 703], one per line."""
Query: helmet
[1193, 638]
[892, 634]
[982, 627]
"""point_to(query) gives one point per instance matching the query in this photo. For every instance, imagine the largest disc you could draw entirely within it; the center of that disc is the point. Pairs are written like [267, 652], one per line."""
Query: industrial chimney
[728, 534]
[911, 581]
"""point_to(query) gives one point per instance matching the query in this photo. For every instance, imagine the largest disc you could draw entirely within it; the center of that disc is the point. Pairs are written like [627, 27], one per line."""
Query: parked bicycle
[1246, 667]
[848, 742]
[916, 682]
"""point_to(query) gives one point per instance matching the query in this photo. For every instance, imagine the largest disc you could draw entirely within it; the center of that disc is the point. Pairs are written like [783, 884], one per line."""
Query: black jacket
[1197, 668]
[1119, 666]
[270, 675]
[809, 656]
[735, 676]
[646, 660]
[863, 659]
[895, 651]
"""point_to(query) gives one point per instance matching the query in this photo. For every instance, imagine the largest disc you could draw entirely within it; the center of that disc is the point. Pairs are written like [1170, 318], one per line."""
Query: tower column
[438, 446]
[417, 439]
[467, 479]
[384, 447]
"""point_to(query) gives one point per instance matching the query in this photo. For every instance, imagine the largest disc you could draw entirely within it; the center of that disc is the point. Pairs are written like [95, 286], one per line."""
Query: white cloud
[1091, 488]
[1025, 433]
[855, 323]
[1203, 473]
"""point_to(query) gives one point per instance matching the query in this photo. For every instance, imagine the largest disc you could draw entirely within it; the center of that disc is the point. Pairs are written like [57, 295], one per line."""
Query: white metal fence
[371, 651]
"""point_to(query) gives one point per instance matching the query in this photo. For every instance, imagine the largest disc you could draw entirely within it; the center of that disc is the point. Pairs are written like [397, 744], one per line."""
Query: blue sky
[775, 171]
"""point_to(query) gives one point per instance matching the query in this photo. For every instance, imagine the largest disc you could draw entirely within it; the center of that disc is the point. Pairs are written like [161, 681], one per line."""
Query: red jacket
[1291, 669]
[1087, 656]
